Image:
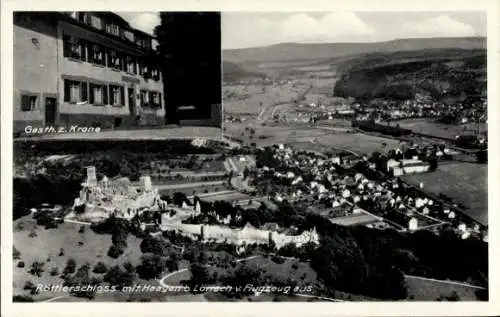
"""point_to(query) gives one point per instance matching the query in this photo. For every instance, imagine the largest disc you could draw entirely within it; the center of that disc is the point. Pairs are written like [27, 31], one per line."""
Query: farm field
[47, 244]
[440, 129]
[270, 135]
[356, 142]
[197, 189]
[248, 98]
[234, 196]
[430, 290]
[465, 183]
[353, 220]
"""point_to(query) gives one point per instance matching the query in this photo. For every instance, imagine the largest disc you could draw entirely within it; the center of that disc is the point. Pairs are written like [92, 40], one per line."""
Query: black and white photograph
[95, 75]
[371, 128]
[253, 156]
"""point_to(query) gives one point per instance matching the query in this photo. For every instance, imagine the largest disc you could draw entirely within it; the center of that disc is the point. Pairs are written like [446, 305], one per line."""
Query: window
[98, 94]
[131, 68]
[75, 91]
[28, 103]
[117, 95]
[143, 68]
[96, 54]
[113, 29]
[155, 73]
[129, 36]
[114, 60]
[96, 22]
[154, 99]
[84, 17]
[73, 47]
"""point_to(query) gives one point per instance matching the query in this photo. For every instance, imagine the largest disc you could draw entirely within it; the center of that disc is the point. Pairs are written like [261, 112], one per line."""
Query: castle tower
[145, 182]
[91, 176]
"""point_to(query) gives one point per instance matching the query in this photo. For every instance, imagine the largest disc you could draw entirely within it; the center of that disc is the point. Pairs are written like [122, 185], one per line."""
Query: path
[162, 283]
[444, 281]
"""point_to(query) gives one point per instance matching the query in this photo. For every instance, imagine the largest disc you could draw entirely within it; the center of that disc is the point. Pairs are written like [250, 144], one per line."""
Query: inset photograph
[374, 124]
[106, 75]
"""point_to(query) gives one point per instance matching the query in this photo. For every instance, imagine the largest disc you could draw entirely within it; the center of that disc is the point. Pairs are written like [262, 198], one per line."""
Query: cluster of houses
[422, 108]
[407, 166]
[329, 185]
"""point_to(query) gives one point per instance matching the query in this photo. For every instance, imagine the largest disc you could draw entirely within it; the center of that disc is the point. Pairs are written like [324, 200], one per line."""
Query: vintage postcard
[322, 158]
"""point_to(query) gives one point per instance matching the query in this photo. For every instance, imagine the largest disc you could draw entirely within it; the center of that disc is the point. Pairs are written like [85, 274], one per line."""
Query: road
[267, 113]
[444, 281]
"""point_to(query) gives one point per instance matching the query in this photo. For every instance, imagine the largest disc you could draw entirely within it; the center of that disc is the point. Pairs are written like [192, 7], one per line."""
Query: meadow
[464, 183]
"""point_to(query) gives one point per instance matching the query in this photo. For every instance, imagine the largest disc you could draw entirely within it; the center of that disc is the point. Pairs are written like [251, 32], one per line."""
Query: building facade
[86, 69]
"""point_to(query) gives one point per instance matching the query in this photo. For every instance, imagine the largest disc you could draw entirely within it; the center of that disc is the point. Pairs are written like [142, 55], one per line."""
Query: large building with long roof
[86, 69]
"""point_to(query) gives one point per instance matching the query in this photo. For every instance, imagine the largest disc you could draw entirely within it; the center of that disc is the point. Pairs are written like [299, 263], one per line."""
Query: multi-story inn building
[84, 68]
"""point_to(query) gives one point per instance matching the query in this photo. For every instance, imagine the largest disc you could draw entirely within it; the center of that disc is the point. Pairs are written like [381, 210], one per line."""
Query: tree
[482, 294]
[482, 156]
[16, 253]
[453, 297]
[339, 261]
[82, 277]
[70, 267]
[115, 251]
[119, 278]
[54, 271]
[179, 36]
[29, 285]
[179, 198]
[154, 245]
[433, 164]
[152, 265]
[199, 275]
[100, 268]
[22, 299]
[37, 268]
[129, 267]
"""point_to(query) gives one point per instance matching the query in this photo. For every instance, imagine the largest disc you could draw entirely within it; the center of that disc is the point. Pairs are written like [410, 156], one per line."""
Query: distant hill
[234, 72]
[294, 51]
[442, 74]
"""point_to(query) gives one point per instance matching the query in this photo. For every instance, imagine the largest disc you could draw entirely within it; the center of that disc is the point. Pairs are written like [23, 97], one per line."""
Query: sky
[247, 29]
[144, 21]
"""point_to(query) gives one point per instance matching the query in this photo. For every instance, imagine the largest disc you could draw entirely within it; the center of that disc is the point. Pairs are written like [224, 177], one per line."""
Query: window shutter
[105, 94]
[159, 100]
[122, 96]
[65, 45]
[25, 103]
[151, 98]
[83, 55]
[124, 62]
[91, 97]
[66, 90]
[90, 47]
[111, 95]
[84, 93]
